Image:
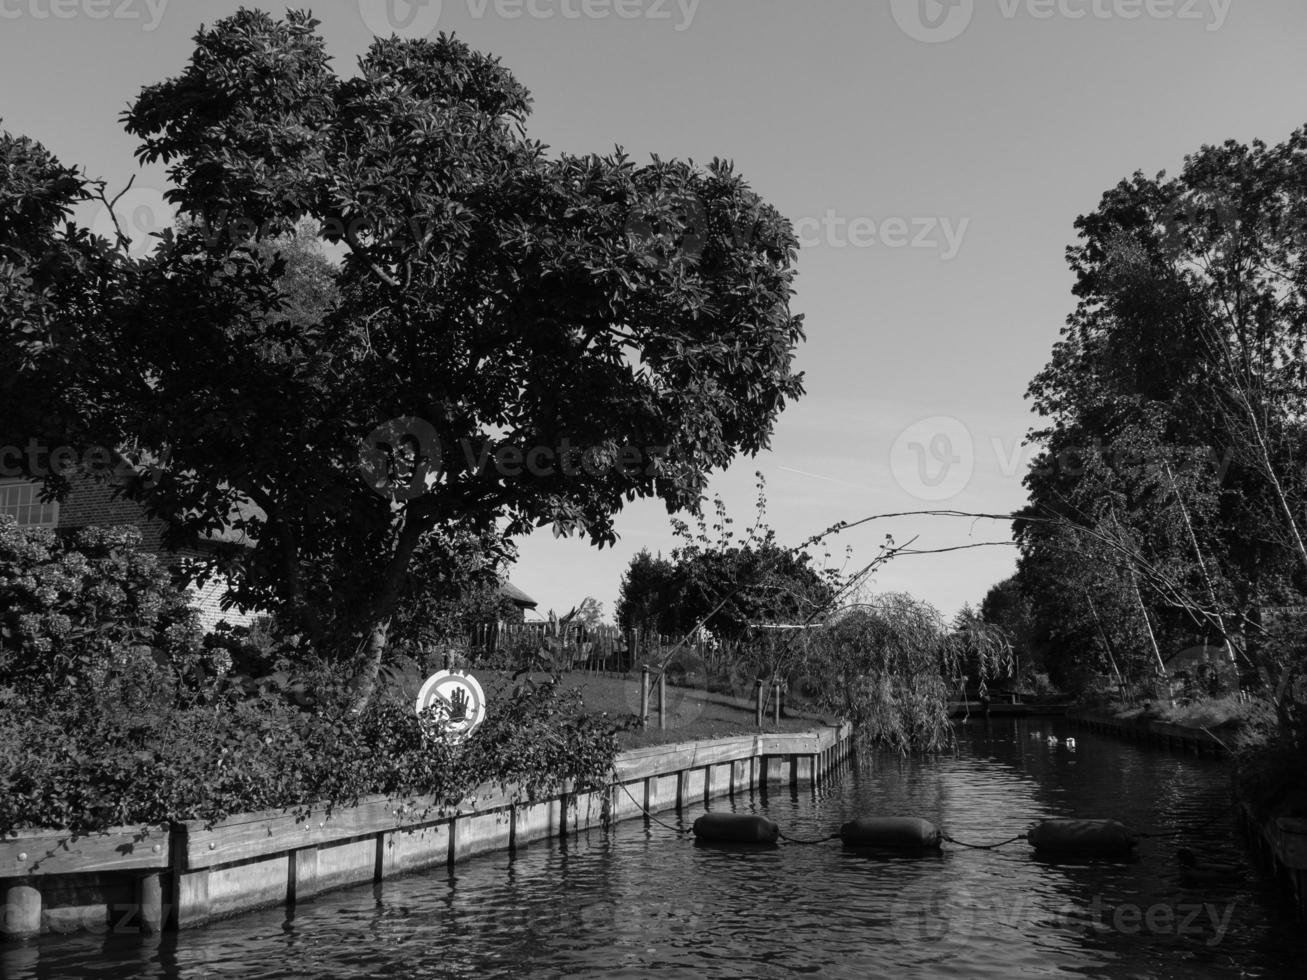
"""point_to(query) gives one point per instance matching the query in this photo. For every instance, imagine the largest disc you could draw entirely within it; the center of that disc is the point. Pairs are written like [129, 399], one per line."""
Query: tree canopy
[515, 339]
[1166, 502]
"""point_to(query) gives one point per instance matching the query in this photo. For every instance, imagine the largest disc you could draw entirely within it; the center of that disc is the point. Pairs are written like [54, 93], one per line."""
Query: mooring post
[149, 902]
[662, 698]
[644, 695]
[777, 686]
[22, 908]
[757, 698]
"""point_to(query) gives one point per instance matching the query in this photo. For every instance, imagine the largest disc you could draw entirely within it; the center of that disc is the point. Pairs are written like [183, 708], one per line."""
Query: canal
[641, 900]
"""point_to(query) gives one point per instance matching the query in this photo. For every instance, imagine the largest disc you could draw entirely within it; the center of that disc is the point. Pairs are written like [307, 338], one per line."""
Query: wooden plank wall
[153, 878]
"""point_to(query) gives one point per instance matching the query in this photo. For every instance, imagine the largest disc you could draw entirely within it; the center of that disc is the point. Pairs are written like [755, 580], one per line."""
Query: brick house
[95, 503]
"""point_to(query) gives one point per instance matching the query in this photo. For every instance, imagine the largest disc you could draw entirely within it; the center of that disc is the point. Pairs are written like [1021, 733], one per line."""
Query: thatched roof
[519, 598]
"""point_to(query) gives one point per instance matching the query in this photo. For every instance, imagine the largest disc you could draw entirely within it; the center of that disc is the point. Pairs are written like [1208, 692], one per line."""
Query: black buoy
[736, 828]
[1088, 837]
[900, 833]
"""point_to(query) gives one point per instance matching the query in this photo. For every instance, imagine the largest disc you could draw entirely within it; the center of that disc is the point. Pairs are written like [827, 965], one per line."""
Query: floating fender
[897, 832]
[1081, 837]
[736, 828]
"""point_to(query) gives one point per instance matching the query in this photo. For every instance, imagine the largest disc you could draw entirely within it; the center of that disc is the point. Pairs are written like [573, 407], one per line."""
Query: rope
[797, 840]
[982, 847]
[678, 830]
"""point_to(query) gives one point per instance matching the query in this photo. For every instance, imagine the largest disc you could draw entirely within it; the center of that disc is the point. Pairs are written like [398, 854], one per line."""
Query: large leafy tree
[648, 598]
[726, 581]
[55, 281]
[539, 338]
[1181, 374]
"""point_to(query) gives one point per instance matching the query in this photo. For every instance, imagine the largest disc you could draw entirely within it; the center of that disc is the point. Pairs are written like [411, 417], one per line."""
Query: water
[641, 901]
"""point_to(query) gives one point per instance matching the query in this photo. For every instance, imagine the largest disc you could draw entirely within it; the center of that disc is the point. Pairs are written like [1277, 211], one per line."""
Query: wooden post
[190, 889]
[644, 695]
[22, 910]
[758, 702]
[303, 874]
[662, 698]
[149, 902]
[776, 709]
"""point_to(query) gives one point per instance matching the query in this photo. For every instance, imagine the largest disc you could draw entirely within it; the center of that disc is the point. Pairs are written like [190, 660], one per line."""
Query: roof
[510, 591]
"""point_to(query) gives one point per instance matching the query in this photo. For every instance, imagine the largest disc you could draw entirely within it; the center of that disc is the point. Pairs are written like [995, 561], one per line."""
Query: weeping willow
[888, 665]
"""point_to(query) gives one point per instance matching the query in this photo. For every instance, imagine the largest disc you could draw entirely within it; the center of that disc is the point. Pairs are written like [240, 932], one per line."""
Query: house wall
[94, 503]
[91, 503]
[207, 600]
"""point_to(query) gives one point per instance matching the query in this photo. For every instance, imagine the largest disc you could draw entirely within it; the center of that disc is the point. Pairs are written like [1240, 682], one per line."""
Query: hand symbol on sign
[458, 705]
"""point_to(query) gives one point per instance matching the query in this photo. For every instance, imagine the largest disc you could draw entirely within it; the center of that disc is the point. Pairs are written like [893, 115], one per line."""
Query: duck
[1052, 740]
[1070, 743]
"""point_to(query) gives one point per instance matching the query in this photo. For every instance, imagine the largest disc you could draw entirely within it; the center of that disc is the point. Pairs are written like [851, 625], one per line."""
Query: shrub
[111, 712]
[75, 611]
[136, 762]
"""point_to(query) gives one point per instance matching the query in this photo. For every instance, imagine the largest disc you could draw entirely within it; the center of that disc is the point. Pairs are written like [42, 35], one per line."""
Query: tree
[54, 278]
[1008, 607]
[589, 614]
[731, 583]
[515, 340]
[888, 665]
[453, 586]
[1185, 352]
[647, 601]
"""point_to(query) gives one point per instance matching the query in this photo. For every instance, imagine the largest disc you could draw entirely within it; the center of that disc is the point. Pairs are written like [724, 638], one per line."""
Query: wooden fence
[602, 649]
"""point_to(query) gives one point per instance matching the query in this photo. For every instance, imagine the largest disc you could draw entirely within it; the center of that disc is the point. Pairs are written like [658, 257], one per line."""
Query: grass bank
[693, 714]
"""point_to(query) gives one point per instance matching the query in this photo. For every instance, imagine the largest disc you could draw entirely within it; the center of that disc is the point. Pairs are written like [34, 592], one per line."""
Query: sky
[932, 154]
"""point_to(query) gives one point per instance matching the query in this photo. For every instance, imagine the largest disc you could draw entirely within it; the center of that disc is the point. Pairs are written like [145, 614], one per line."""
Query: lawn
[692, 713]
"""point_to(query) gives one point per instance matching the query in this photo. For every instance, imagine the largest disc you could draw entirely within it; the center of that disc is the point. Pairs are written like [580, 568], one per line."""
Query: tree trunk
[374, 650]
[383, 608]
[1202, 566]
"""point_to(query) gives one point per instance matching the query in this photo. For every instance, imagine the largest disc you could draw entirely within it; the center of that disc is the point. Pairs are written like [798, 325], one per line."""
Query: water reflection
[642, 901]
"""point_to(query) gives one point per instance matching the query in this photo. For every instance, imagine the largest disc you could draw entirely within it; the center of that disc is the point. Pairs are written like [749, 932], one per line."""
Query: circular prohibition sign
[456, 700]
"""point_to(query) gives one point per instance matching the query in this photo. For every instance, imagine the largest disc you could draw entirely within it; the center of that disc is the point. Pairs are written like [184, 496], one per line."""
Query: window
[22, 501]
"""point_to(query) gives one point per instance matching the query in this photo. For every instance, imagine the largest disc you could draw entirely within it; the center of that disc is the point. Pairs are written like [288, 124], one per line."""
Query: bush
[111, 711]
[74, 611]
[138, 760]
